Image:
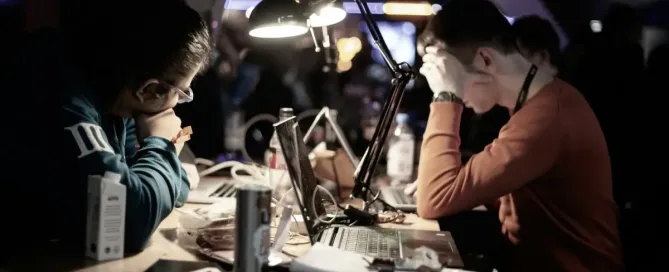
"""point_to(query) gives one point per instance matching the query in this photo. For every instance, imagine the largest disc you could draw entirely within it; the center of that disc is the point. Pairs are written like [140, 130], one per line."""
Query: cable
[260, 117]
[272, 119]
[280, 201]
[306, 114]
[217, 167]
[377, 197]
[291, 234]
[252, 170]
[313, 205]
[256, 176]
[204, 162]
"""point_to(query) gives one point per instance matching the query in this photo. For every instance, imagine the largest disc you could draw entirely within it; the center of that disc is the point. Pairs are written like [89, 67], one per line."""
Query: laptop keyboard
[374, 243]
[227, 189]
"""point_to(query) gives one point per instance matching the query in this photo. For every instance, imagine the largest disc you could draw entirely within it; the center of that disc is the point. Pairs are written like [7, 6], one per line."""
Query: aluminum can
[252, 228]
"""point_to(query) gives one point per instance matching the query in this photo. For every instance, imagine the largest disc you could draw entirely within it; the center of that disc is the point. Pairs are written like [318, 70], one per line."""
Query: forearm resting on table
[157, 183]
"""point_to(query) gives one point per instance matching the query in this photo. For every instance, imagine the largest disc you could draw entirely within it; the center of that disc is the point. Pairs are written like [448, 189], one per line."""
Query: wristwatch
[446, 97]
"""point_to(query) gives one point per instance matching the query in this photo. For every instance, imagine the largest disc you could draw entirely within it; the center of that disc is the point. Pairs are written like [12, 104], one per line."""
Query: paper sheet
[323, 258]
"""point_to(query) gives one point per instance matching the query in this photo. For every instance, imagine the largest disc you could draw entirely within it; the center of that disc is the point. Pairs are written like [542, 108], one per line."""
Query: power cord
[254, 170]
[256, 177]
[313, 204]
[204, 162]
[272, 119]
[291, 234]
[255, 119]
[377, 197]
[306, 114]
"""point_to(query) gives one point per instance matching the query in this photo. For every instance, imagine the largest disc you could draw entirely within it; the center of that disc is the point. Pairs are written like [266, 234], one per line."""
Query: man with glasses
[118, 76]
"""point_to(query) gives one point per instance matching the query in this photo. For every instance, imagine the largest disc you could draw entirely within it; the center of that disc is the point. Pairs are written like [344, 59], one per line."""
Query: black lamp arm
[402, 74]
[378, 38]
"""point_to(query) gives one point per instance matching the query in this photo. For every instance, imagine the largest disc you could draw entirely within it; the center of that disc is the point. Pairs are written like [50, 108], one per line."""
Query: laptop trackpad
[439, 241]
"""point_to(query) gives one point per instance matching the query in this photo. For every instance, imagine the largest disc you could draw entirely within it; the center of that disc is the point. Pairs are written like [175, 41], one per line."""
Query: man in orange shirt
[549, 168]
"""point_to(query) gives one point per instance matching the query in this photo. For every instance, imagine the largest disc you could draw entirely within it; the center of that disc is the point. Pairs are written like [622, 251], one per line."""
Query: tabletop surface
[163, 245]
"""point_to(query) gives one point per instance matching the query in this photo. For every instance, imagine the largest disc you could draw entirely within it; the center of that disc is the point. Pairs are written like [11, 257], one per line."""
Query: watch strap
[446, 97]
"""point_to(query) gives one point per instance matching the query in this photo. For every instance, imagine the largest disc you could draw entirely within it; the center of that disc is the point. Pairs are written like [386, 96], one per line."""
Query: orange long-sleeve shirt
[550, 170]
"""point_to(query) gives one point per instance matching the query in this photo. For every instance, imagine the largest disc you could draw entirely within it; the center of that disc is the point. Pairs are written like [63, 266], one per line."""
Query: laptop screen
[302, 175]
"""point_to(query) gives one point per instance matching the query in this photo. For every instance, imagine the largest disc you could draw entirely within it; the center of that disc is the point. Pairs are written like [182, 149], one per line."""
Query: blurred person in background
[102, 96]
[226, 83]
[642, 222]
[656, 66]
[548, 169]
[610, 70]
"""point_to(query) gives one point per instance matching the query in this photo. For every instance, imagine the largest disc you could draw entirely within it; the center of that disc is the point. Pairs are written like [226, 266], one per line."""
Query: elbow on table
[142, 221]
[136, 245]
[432, 209]
[434, 203]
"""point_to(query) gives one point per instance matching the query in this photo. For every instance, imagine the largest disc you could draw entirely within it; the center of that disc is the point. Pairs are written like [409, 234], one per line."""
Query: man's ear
[545, 57]
[148, 91]
[484, 60]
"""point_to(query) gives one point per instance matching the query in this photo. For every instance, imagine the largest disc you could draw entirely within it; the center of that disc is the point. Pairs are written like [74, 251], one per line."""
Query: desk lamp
[288, 18]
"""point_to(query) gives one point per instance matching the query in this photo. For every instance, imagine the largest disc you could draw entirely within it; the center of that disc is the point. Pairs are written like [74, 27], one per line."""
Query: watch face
[446, 97]
[443, 96]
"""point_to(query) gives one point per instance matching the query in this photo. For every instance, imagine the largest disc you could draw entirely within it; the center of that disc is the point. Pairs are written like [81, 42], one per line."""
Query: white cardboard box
[105, 217]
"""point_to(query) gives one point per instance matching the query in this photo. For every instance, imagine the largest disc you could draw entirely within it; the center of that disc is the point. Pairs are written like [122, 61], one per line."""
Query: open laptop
[369, 241]
[395, 196]
[209, 190]
[212, 190]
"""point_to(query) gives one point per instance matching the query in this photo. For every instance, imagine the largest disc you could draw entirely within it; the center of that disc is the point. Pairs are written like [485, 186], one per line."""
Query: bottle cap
[286, 112]
[402, 118]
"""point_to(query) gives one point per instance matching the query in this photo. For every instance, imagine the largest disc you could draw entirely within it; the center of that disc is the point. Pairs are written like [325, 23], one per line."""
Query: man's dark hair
[124, 43]
[466, 25]
[537, 35]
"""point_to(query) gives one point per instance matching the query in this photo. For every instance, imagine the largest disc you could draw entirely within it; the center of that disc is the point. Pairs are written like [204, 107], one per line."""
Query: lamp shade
[328, 14]
[277, 19]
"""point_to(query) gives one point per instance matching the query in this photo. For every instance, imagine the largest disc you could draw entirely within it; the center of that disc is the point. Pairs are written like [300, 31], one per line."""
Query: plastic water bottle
[234, 134]
[278, 174]
[400, 154]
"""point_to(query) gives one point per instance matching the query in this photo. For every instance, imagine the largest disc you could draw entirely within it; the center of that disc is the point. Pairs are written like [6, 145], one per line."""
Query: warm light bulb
[416, 9]
[278, 31]
[327, 16]
[343, 66]
[348, 48]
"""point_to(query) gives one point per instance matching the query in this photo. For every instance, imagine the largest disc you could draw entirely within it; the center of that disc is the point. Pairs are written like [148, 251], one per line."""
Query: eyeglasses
[185, 96]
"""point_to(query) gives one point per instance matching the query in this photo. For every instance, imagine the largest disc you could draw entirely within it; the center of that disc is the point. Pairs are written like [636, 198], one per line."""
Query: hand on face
[165, 124]
[445, 73]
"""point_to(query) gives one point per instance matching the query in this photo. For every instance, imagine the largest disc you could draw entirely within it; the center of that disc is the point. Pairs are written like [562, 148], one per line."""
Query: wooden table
[163, 246]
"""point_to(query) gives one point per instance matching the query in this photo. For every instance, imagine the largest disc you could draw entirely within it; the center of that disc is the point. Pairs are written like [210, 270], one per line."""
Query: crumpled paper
[423, 259]
[212, 227]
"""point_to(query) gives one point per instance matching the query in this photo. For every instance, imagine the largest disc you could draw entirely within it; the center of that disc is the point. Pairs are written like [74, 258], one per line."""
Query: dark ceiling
[575, 15]
[572, 15]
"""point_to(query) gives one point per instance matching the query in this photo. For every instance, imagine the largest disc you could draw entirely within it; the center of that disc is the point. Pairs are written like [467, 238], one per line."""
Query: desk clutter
[211, 231]
[327, 218]
[323, 258]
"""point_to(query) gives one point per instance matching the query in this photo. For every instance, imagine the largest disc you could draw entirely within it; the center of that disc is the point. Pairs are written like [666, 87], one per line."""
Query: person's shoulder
[78, 106]
[547, 101]
[540, 113]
